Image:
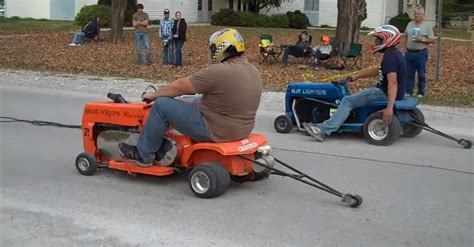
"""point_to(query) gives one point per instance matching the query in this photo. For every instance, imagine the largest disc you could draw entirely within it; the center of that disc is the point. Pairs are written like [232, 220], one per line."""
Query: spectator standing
[140, 23]
[419, 35]
[165, 33]
[179, 37]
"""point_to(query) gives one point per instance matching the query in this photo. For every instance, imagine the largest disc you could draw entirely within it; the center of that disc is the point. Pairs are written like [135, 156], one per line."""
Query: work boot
[130, 153]
[314, 131]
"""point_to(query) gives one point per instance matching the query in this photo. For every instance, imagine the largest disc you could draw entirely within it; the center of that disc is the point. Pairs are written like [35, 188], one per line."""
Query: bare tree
[118, 15]
[350, 14]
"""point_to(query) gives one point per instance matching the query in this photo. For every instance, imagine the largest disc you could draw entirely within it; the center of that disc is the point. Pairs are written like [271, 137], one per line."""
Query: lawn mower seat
[404, 104]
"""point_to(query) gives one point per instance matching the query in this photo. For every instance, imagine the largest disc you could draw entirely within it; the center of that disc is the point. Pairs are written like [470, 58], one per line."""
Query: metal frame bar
[300, 176]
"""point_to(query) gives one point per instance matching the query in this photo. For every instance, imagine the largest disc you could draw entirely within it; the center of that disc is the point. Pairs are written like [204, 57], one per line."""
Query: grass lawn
[48, 51]
[23, 25]
[456, 34]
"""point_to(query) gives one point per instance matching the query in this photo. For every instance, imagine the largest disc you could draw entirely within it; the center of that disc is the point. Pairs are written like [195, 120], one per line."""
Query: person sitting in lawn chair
[322, 52]
[391, 85]
[89, 31]
[300, 49]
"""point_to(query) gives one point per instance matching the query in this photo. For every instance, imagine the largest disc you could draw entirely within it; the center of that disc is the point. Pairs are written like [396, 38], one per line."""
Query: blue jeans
[320, 56]
[78, 37]
[291, 50]
[184, 117]
[349, 103]
[143, 38]
[178, 45]
[416, 62]
[168, 56]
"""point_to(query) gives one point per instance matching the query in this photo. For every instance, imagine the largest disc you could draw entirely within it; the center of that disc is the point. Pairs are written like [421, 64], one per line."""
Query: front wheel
[283, 124]
[86, 164]
[377, 133]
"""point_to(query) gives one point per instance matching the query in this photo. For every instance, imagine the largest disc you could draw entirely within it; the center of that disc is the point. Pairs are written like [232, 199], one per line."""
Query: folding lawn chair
[355, 54]
[267, 48]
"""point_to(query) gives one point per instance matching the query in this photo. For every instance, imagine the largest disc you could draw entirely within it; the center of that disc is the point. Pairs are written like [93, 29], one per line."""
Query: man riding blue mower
[382, 113]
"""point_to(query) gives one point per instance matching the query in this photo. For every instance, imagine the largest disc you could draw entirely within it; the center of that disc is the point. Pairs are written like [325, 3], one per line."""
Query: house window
[239, 5]
[231, 4]
[209, 5]
[199, 4]
[311, 5]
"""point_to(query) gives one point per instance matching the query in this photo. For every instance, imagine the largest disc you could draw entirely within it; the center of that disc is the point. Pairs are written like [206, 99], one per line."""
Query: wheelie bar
[421, 124]
[353, 200]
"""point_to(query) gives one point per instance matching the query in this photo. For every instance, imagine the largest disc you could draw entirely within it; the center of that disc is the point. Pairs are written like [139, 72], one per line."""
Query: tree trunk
[350, 15]
[118, 15]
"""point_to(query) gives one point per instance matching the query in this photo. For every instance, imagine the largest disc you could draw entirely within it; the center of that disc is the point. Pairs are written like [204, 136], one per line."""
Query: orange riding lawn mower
[210, 166]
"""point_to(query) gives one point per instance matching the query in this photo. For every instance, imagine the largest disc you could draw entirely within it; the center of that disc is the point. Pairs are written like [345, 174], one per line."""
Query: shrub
[228, 17]
[280, 20]
[129, 10]
[101, 11]
[14, 18]
[400, 21]
[155, 22]
[225, 17]
[297, 20]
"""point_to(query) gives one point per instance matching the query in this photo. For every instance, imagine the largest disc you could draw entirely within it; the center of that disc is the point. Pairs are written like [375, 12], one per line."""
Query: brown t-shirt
[140, 16]
[231, 96]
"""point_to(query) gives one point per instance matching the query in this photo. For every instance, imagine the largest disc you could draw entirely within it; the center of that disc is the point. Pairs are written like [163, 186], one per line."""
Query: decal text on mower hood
[308, 91]
[246, 145]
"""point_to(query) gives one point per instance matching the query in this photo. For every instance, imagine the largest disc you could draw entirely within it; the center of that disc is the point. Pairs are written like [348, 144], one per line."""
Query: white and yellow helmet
[226, 43]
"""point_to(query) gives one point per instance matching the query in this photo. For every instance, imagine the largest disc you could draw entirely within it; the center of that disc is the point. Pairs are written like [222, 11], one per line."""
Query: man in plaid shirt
[165, 34]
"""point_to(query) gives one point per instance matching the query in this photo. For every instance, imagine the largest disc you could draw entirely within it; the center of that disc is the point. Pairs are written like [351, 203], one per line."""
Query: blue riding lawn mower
[316, 102]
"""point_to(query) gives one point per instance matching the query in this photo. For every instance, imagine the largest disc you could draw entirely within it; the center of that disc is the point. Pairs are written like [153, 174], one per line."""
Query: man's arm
[176, 88]
[392, 95]
[159, 29]
[366, 73]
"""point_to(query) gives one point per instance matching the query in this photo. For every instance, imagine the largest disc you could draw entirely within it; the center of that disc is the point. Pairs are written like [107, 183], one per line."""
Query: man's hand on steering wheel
[148, 97]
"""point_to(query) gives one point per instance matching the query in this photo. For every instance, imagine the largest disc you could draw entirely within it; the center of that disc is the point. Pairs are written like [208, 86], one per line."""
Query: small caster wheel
[283, 124]
[354, 201]
[86, 164]
[465, 143]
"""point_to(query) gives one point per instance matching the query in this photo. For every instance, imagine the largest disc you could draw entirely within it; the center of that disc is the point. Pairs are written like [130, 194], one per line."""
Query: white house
[48, 9]
[324, 12]
[319, 12]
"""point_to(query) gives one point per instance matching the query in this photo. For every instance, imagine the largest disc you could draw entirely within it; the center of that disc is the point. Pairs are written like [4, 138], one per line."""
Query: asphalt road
[417, 192]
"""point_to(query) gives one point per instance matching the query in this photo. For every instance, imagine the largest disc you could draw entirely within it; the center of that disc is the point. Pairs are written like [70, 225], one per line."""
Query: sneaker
[130, 153]
[419, 95]
[408, 95]
[167, 153]
[72, 44]
[314, 131]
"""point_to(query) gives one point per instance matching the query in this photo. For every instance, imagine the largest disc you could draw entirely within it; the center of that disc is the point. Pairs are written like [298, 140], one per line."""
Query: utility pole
[439, 16]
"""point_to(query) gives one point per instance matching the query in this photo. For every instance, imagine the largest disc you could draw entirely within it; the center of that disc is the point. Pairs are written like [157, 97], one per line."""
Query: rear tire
[377, 134]
[283, 124]
[208, 180]
[409, 130]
